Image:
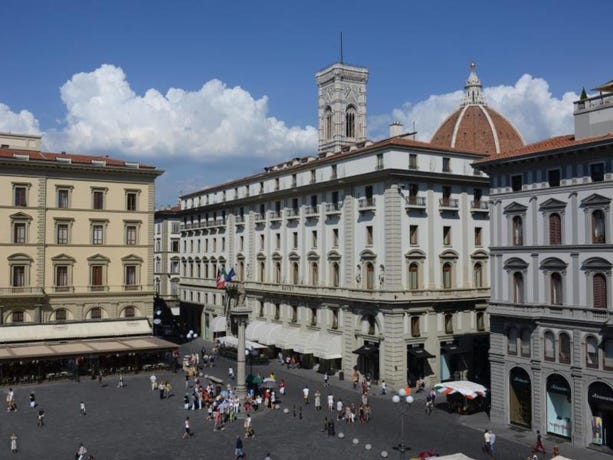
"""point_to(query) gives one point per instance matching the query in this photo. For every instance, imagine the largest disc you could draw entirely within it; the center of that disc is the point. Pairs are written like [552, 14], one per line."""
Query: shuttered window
[600, 290]
[555, 229]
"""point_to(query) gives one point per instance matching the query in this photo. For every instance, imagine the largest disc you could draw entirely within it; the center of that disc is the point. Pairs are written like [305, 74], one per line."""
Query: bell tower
[342, 106]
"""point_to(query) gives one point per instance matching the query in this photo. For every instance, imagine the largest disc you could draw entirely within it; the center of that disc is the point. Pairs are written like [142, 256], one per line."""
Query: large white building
[368, 254]
[551, 299]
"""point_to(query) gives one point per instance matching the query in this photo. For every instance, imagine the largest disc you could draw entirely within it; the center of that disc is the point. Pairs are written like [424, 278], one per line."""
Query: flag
[231, 274]
[221, 280]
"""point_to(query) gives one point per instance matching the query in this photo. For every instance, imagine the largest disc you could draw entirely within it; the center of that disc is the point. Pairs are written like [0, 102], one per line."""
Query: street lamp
[403, 403]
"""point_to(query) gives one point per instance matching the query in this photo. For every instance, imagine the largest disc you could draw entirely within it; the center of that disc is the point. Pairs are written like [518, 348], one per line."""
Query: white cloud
[105, 114]
[529, 104]
[22, 122]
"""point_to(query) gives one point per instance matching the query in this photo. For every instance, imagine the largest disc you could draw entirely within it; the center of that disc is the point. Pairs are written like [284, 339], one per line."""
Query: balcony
[479, 206]
[21, 290]
[311, 211]
[594, 103]
[220, 223]
[415, 202]
[292, 214]
[448, 204]
[132, 287]
[260, 218]
[366, 204]
[334, 208]
[239, 220]
[275, 216]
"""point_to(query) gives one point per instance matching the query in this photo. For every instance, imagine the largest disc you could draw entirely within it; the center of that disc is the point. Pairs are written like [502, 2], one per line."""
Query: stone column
[241, 388]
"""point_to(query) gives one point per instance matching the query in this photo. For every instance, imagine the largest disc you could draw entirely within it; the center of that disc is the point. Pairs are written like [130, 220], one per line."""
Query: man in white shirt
[305, 393]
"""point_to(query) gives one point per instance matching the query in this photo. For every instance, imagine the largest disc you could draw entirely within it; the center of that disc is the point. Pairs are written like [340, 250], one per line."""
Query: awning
[252, 332]
[176, 311]
[232, 342]
[419, 352]
[367, 349]
[285, 337]
[468, 389]
[218, 324]
[452, 348]
[269, 333]
[77, 330]
[305, 342]
[84, 348]
[328, 346]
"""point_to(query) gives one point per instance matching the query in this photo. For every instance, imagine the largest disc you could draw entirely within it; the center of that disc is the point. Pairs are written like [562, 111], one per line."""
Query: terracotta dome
[475, 126]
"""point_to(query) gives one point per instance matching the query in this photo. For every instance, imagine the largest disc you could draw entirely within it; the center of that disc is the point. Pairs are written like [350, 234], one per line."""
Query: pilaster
[348, 238]
[392, 228]
[393, 350]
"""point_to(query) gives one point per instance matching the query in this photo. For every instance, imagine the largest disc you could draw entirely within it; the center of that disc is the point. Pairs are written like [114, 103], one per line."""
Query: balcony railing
[366, 204]
[311, 211]
[27, 290]
[239, 220]
[334, 208]
[449, 203]
[479, 206]
[260, 217]
[593, 103]
[275, 215]
[292, 213]
[414, 201]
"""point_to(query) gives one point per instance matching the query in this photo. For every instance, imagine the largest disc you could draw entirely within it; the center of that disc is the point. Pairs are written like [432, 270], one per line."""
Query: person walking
[188, 428]
[238, 448]
[383, 387]
[326, 378]
[538, 447]
[120, 383]
[81, 452]
[231, 373]
[305, 394]
[154, 382]
[330, 402]
[14, 443]
[82, 408]
[282, 387]
[40, 418]
[317, 400]
[492, 442]
[486, 441]
[33, 403]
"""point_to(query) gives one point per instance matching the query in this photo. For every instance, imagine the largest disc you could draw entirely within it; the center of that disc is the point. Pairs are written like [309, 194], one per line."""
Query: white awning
[285, 337]
[328, 346]
[252, 332]
[232, 342]
[69, 330]
[305, 342]
[269, 333]
[218, 324]
[176, 311]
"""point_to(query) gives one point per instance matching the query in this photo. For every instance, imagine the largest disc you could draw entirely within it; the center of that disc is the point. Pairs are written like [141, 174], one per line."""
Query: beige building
[77, 245]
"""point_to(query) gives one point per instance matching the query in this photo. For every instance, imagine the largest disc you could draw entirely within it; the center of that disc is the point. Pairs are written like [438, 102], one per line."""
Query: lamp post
[403, 403]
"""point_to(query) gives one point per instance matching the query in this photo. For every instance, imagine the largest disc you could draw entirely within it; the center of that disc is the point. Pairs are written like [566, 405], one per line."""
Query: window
[277, 311]
[599, 288]
[61, 277]
[62, 197]
[446, 164]
[549, 346]
[564, 356]
[277, 184]
[518, 287]
[598, 227]
[97, 234]
[261, 187]
[379, 161]
[97, 277]
[18, 276]
[447, 275]
[449, 323]
[478, 233]
[313, 316]
[480, 321]
[130, 276]
[262, 272]
[370, 276]
[95, 313]
[412, 161]
[20, 195]
[333, 175]
[129, 312]
[262, 241]
[525, 342]
[314, 239]
[350, 121]
[556, 288]
[478, 275]
[241, 243]
[608, 354]
[477, 194]
[555, 229]
[518, 231]
[61, 314]
[295, 273]
[131, 200]
[413, 191]
[446, 195]
[98, 199]
[223, 244]
[314, 273]
[335, 274]
[261, 309]
[295, 240]
[512, 341]
[174, 244]
[415, 329]
[413, 235]
[19, 232]
[278, 272]
[335, 237]
[369, 236]
[446, 235]
[313, 176]
[131, 235]
[334, 319]
[553, 177]
[591, 352]
[17, 317]
[294, 314]
[597, 172]
[413, 276]
[516, 183]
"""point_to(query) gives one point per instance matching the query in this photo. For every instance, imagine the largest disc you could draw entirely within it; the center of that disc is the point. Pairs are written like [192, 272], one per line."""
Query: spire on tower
[472, 89]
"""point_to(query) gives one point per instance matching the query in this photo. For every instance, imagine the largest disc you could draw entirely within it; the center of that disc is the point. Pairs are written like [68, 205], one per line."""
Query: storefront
[600, 400]
[368, 359]
[417, 363]
[453, 362]
[520, 398]
[559, 408]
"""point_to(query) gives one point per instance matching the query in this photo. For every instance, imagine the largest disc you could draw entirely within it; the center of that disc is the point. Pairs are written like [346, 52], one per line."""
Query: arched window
[447, 275]
[17, 317]
[95, 313]
[241, 271]
[555, 229]
[262, 274]
[518, 287]
[314, 273]
[550, 346]
[556, 288]
[371, 325]
[591, 352]
[295, 273]
[350, 121]
[328, 123]
[61, 314]
[518, 231]
[336, 275]
[277, 272]
[525, 342]
[414, 276]
[129, 312]
[449, 323]
[599, 288]
[598, 227]
[564, 355]
[370, 276]
[478, 275]
[512, 341]
[608, 354]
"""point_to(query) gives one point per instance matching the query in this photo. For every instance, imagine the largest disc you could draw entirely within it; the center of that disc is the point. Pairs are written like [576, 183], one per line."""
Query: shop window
[414, 276]
[512, 341]
[591, 352]
[555, 281]
[415, 328]
[549, 346]
[565, 350]
[555, 229]
[518, 231]
[598, 226]
[599, 288]
[526, 337]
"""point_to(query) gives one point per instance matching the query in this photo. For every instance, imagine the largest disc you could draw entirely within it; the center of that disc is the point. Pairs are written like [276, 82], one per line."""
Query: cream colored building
[77, 244]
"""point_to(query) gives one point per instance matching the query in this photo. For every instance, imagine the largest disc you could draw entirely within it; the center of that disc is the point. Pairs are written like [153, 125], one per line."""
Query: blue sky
[211, 91]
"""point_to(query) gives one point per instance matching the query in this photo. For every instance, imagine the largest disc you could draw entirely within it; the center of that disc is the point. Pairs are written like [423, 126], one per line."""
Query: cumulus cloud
[105, 114]
[528, 104]
[22, 122]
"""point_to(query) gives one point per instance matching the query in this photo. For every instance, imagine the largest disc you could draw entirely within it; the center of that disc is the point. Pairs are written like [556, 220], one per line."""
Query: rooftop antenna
[341, 47]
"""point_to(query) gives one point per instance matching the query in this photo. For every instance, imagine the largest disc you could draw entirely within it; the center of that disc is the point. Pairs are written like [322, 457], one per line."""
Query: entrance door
[600, 400]
[520, 398]
[559, 413]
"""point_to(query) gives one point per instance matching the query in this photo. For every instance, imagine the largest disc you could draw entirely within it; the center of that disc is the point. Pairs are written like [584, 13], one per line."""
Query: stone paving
[133, 423]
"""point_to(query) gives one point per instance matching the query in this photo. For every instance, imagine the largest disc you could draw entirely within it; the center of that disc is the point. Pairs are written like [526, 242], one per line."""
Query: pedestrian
[82, 408]
[383, 387]
[154, 382]
[486, 441]
[40, 419]
[339, 409]
[429, 404]
[248, 426]
[268, 457]
[325, 378]
[120, 383]
[330, 402]
[538, 447]
[188, 428]
[282, 387]
[305, 394]
[100, 377]
[238, 449]
[555, 452]
[32, 400]
[81, 452]
[162, 390]
[492, 442]
[317, 400]
[14, 443]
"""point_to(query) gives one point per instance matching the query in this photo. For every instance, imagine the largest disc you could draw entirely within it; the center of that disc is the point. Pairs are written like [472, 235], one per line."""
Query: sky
[213, 91]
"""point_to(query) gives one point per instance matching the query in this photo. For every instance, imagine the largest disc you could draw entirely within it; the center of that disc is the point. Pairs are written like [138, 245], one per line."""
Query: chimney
[395, 129]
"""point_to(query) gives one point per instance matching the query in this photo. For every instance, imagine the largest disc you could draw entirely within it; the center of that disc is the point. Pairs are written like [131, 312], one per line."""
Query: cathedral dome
[475, 126]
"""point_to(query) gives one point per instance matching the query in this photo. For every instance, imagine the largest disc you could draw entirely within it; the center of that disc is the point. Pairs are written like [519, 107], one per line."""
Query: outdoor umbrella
[269, 383]
[253, 379]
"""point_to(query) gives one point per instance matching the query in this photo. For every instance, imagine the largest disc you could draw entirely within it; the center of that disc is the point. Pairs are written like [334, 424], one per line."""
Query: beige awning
[44, 350]
[328, 346]
[252, 332]
[305, 342]
[218, 324]
[268, 334]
